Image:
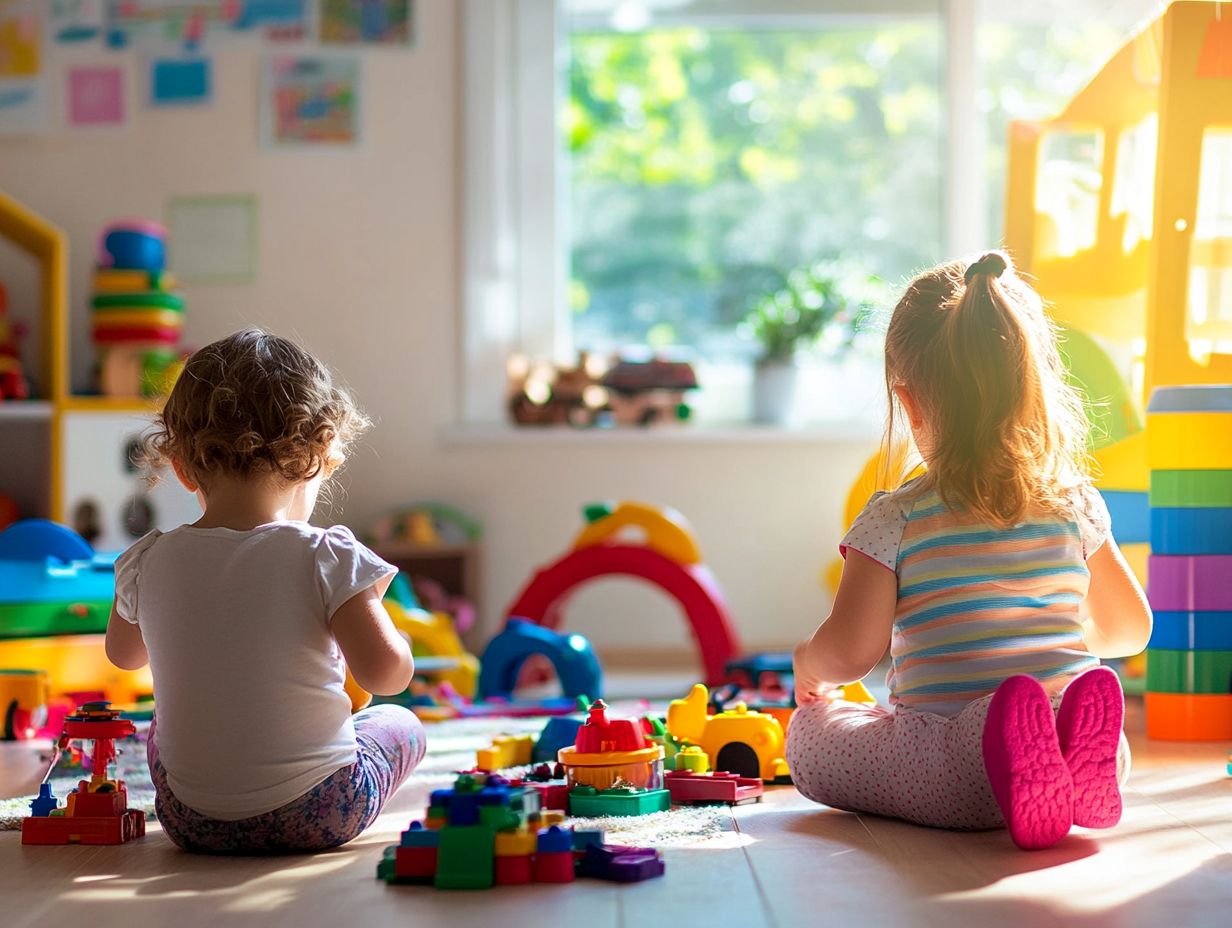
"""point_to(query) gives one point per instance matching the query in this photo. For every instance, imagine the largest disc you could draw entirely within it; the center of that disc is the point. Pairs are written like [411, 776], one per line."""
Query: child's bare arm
[378, 656]
[853, 639]
[1117, 619]
[124, 645]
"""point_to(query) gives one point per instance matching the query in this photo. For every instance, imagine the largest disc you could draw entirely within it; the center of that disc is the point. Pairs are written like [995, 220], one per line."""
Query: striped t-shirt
[978, 604]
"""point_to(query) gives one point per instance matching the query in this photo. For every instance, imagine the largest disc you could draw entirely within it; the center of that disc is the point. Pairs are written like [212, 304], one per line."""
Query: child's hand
[809, 686]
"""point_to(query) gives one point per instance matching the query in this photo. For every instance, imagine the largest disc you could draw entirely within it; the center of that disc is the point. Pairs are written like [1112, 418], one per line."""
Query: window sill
[473, 436]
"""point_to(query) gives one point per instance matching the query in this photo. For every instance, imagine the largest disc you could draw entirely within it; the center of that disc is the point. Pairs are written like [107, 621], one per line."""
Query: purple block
[1190, 583]
[620, 864]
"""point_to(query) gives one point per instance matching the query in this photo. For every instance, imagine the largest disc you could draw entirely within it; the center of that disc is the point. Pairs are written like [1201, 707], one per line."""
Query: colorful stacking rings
[1189, 659]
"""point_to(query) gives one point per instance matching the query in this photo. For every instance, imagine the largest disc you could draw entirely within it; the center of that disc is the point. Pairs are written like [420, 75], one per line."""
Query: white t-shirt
[248, 680]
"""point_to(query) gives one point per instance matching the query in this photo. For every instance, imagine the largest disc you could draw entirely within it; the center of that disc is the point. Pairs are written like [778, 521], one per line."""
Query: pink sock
[1089, 728]
[1022, 756]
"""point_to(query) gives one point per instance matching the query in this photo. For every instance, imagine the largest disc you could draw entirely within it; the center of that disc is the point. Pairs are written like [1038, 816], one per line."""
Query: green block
[497, 818]
[465, 857]
[41, 620]
[588, 802]
[1191, 489]
[1169, 671]
[385, 868]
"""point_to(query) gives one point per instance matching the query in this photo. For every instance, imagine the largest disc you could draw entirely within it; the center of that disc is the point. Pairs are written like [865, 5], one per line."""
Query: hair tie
[992, 264]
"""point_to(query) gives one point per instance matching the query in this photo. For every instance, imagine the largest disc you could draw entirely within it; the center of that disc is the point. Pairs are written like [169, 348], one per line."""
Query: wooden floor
[785, 862]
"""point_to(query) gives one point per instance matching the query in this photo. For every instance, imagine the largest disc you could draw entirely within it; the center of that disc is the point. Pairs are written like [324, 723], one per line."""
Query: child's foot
[1022, 756]
[1089, 728]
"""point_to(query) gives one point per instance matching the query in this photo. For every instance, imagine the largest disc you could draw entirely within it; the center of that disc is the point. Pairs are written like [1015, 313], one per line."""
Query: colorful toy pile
[487, 831]
[97, 811]
[1189, 660]
[613, 768]
[137, 319]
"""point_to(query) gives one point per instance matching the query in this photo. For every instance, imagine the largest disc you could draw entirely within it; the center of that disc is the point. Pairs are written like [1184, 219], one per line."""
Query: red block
[415, 863]
[74, 829]
[688, 787]
[513, 871]
[554, 868]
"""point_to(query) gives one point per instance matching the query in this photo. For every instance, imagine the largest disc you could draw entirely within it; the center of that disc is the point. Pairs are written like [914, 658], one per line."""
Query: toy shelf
[25, 409]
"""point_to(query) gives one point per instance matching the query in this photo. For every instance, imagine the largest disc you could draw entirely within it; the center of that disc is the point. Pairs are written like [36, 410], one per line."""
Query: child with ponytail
[992, 580]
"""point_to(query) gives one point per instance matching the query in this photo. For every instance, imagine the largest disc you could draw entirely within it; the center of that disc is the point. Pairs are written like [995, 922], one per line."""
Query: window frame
[513, 273]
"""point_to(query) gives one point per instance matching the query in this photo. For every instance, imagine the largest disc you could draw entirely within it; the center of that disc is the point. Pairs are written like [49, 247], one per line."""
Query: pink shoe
[1089, 728]
[1022, 756]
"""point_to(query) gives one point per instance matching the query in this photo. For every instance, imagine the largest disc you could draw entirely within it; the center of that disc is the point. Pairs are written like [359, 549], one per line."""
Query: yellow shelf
[133, 404]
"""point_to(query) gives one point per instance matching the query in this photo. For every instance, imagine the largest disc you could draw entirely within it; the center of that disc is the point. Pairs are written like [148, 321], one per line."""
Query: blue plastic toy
[560, 732]
[37, 539]
[571, 656]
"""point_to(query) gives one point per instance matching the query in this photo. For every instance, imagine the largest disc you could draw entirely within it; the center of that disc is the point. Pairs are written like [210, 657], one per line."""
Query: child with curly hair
[246, 615]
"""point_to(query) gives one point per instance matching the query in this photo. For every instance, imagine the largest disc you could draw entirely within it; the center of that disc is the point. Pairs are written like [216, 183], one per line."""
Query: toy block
[498, 818]
[550, 817]
[556, 867]
[687, 787]
[585, 837]
[1189, 716]
[1198, 583]
[692, 758]
[588, 802]
[553, 840]
[418, 835]
[45, 803]
[560, 732]
[435, 823]
[1188, 671]
[513, 870]
[506, 751]
[1191, 631]
[516, 843]
[1186, 489]
[465, 858]
[415, 864]
[620, 864]
[385, 866]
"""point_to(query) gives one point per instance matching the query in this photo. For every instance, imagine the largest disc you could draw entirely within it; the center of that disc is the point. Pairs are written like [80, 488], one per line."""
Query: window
[641, 171]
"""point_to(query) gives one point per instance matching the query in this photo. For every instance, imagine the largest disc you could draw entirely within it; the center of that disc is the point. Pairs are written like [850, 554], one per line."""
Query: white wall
[359, 259]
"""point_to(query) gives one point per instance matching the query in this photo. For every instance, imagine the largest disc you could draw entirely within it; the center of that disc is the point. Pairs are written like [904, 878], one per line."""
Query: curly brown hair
[254, 404]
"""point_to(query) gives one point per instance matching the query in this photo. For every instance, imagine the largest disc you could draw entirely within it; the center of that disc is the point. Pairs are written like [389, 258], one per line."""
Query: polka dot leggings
[902, 763]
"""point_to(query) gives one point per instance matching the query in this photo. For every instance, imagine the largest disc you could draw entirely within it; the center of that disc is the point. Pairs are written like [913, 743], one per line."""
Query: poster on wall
[213, 239]
[378, 22]
[96, 97]
[180, 82]
[20, 39]
[23, 106]
[75, 21]
[310, 100]
[191, 22]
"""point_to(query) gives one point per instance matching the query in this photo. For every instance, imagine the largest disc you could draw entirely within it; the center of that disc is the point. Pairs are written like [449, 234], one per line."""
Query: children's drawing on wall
[310, 100]
[95, 97]
[20, 29]
[74, 21]
[387, 22]
[181, 81]
[23, 106]
[191, 22]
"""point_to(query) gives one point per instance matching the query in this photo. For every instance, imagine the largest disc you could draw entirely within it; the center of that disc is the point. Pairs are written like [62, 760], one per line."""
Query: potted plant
[821, 305]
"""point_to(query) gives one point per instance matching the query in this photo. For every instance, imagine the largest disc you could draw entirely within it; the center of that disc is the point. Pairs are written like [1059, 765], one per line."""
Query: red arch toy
[691, 585]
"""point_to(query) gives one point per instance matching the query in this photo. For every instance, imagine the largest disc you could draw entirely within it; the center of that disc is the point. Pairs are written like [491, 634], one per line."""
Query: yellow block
[515, 843]
[666, 531]
[125, 280]
[506, 751]
[1189, 441]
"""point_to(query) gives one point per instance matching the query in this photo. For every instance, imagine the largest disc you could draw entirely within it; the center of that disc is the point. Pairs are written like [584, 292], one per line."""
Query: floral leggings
[390, 743]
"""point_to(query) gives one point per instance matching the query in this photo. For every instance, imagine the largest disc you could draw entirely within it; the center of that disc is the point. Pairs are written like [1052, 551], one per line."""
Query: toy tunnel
[737, 757]
[691, 585]
[571, 656]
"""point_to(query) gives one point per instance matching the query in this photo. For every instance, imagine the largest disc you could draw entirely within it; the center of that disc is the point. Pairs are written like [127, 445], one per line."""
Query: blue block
[554, 840]
[1191, 531]
[1131, 515]
[419, 836]
[560, 732]
[463, 809]
[584, 838]
[44, 804]
[1192, 631]
[494, 796]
